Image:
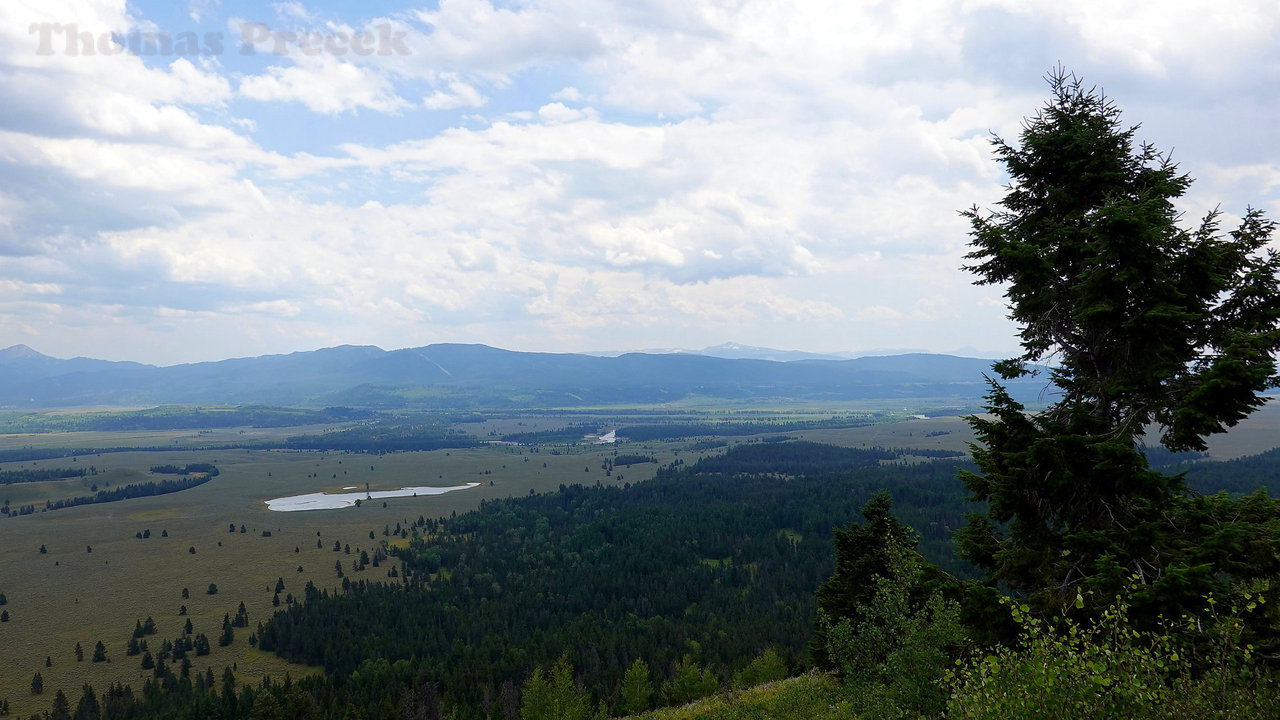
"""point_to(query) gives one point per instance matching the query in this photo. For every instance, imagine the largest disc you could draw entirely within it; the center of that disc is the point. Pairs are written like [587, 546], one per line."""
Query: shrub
[894, 652]
[1066, 670]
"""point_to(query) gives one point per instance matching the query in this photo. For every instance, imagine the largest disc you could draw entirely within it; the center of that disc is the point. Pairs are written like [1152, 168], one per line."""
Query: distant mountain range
[479, 376]
[736, 351]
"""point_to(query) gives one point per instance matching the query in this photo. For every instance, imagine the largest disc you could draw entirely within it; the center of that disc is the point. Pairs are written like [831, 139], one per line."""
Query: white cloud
[476, 37]
[568, 94]
[197, 9]
[459, 95]
[560, 113]
[324, 84]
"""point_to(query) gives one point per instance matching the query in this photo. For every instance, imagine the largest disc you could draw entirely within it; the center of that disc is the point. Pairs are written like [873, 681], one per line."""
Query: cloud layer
[555, 176]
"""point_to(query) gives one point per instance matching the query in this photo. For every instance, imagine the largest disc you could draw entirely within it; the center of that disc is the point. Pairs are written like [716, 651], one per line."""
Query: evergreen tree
[88, 707]
[689, 681]
[555, 696]
[99, 652]
[79, 653]
[637, 688]
[266, 707]
[1144, 323]
[228, 634]
[61, 709]
[37, 684]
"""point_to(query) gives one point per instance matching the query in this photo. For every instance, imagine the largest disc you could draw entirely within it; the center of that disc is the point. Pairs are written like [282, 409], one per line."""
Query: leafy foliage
[890, 635]
[1107, 668]
[767, 667]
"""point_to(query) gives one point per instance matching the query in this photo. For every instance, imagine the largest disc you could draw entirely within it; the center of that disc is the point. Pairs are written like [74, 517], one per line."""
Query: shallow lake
[333, 501]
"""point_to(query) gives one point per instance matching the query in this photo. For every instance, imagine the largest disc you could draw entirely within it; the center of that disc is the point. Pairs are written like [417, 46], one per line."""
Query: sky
[186, 180]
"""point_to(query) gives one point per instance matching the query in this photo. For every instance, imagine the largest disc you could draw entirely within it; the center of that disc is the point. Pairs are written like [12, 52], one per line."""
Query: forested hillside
[697, 571]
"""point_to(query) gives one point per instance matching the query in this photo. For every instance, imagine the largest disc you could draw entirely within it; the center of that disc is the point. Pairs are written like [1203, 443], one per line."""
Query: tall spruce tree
[1144, 324]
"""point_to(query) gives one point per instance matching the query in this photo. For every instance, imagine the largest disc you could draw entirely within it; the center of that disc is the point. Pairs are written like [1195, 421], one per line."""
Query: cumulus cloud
[324, 84]
[554, 175]
[458, 95]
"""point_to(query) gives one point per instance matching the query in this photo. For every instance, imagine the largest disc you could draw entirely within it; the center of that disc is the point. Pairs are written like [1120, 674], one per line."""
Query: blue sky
[562, 176]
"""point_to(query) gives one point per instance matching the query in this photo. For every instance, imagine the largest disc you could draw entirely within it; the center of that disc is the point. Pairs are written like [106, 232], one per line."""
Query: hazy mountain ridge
[458, 375]
[738, 351]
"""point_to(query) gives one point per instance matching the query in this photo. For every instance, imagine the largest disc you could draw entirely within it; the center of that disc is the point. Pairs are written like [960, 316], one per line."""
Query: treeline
[28, 454]
[359, 440]
[792, 458]
[1241, 476]
[181, 417]
[933, 453]
[676, 431]
[629, 460]
[569, 433]
[379, 438]
[188, 469]
[9, 477]
[135, 490]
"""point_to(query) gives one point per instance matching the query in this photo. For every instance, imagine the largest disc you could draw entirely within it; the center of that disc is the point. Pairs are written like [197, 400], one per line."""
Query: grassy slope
[814, 696]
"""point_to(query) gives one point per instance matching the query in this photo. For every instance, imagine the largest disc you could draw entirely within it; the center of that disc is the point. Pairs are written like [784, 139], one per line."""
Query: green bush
[894, 654]
[1196, 668]
[768, 666]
